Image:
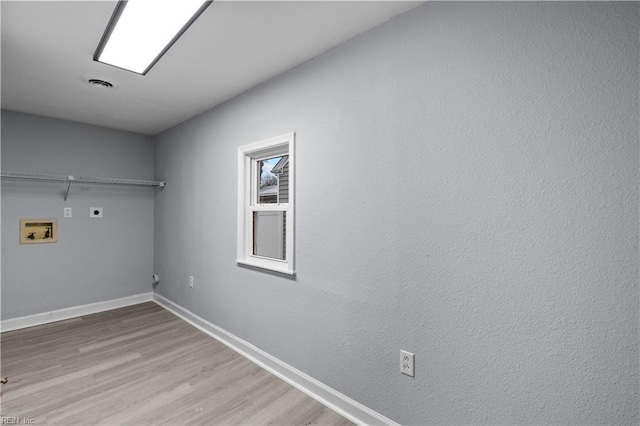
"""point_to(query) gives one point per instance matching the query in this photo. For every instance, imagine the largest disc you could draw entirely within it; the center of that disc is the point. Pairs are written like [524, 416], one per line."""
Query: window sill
[279, 270]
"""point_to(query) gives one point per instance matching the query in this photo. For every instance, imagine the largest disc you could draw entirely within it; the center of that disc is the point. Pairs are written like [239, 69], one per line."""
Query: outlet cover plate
[407, 363]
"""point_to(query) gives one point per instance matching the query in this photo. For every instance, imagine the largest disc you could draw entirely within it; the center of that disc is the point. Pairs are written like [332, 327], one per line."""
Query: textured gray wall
[467, 189]
[94, 259]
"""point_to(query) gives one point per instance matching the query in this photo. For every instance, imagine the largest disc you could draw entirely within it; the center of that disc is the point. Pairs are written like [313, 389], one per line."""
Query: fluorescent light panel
[141, 31]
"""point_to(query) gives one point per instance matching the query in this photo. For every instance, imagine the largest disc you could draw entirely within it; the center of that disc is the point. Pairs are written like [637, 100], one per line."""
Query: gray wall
[94, 260]
[467, 189]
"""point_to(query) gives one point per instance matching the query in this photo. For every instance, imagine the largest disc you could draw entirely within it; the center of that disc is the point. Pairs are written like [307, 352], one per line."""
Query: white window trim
[247, 193]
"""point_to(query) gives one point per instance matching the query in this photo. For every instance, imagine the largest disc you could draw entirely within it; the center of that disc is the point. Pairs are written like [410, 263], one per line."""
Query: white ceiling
[47, 50]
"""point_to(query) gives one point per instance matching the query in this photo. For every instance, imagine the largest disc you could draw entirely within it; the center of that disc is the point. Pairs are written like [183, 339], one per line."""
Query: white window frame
[248, 156]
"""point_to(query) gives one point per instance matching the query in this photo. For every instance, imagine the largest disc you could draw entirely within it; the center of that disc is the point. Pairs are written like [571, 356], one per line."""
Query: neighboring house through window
[265, 204]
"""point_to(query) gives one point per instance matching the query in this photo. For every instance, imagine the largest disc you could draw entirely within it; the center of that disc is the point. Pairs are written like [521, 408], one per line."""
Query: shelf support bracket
[71, 179]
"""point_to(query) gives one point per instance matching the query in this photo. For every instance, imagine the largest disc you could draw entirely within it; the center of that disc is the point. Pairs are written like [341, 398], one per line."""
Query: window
[265, 204]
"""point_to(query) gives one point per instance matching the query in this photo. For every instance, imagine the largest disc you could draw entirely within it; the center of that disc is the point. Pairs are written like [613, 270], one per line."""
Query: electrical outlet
[67, 212]
[95, 212]
[407, 363]
[190, 281]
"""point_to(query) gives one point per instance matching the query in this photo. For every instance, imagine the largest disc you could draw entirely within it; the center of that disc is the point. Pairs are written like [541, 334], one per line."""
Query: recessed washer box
[95, 212]
[36, 231]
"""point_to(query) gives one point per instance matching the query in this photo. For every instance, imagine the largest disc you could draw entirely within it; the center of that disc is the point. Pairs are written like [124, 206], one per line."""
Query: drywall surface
[94, 260]
[467, 190]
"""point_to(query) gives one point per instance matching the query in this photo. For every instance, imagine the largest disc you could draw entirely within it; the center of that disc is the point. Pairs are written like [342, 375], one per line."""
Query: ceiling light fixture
[141, 31]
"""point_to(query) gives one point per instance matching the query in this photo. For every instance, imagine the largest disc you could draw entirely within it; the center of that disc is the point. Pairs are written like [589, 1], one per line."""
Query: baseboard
[73, 312]
[317, 390]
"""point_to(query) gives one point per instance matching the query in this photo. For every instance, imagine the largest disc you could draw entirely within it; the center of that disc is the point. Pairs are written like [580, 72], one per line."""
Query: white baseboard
[73, 312]
[317, 390]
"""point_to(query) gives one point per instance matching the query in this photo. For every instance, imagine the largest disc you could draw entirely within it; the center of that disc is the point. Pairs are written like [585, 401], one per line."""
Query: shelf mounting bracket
[71, 179]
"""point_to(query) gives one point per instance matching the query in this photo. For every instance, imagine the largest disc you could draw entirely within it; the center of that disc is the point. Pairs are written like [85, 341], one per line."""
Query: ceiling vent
[98, 82]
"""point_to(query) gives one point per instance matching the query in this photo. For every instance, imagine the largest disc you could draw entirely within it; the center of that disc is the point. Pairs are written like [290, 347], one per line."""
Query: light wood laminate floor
[142, 365]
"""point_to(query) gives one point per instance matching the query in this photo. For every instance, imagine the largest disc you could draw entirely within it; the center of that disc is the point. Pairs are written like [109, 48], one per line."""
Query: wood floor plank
[142, 365]
[28, 390]
[150, 405]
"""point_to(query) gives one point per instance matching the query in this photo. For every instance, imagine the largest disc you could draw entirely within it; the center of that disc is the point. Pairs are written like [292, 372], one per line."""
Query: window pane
[268, 182]
[269, 234]
[273, 183]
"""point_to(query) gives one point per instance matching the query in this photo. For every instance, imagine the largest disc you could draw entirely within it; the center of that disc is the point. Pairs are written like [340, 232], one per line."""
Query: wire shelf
[80, 179]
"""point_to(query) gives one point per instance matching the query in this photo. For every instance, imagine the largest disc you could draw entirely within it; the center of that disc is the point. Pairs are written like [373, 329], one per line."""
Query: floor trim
[317, 390]
[73, 312]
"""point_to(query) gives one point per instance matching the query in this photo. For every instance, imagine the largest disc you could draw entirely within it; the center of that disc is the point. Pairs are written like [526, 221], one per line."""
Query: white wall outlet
[67, 212]
[95, 212]
[407, 363]
[190, 281]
